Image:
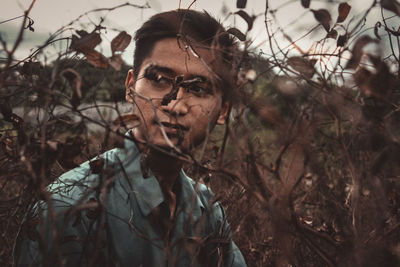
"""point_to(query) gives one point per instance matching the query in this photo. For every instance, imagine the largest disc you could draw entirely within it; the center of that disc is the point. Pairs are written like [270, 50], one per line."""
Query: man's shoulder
[207, 198]
[75, 183]
[201, 189]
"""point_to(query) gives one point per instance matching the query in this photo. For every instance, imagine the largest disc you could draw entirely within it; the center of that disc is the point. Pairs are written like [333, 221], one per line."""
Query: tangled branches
[307, 167]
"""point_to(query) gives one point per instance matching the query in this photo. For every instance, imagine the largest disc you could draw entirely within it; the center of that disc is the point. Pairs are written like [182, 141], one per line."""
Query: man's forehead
[192, 50]
[183, 58]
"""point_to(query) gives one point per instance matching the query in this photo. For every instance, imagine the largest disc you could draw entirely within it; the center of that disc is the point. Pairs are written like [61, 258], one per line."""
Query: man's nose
[179, 106]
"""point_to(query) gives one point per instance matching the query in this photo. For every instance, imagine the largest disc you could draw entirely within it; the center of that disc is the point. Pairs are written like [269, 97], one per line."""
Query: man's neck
[165, 167]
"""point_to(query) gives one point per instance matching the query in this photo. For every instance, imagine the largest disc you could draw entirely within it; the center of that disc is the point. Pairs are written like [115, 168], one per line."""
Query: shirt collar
[189, 198]
[148, 191]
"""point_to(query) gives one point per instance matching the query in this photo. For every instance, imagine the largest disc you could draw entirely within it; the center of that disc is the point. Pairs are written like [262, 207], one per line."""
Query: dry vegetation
[308, 167]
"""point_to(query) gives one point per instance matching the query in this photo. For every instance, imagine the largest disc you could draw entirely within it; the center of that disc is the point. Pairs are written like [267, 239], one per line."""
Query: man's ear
[129, 85]
[224, 113]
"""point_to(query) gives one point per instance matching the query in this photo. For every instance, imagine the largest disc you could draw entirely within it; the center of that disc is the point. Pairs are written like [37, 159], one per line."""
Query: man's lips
[173, 127]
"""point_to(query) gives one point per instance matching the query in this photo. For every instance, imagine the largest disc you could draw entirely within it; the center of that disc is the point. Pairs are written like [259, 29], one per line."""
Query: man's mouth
[175, 130]
[173, 127]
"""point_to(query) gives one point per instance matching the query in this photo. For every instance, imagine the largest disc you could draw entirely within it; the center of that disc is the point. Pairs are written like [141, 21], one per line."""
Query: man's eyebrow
[162, 69]
[197, 76]
[171, 72]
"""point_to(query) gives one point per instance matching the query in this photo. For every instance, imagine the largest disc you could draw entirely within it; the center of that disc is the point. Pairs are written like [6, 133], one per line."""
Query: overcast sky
[51, 15]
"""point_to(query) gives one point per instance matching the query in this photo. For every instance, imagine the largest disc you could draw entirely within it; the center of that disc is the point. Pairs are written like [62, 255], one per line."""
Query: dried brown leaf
[343, 10]
[357, 51]
[74, 79]
[266, 112]
[293, 167]
[237, 33]
[247, 18]
[324, 17]
[391, 5]
[30, 68]
[96, 166]
[305, 3]
[120, 42]
[241, 3]
[116, 62]
[332, 34]
[302, 65]
[86, 42]
[341, 41]
[96, 59]
[377, 85]
[82, 33]
[75, 100]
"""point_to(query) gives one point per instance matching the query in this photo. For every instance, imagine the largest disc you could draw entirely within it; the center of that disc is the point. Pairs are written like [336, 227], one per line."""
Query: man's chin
[164, 145]
[172, 147]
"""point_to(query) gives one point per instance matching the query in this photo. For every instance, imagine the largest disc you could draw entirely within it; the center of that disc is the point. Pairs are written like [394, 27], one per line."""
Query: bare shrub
[307, 166]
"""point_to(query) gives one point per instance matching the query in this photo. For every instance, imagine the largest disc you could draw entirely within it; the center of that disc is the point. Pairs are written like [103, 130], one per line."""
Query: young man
[141, 209]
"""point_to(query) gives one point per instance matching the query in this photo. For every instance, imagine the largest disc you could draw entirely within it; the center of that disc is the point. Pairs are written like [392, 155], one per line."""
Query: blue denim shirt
[115, 218]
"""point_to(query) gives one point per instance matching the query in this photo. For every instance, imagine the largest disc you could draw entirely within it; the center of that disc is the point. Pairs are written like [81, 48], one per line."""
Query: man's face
[174, 95]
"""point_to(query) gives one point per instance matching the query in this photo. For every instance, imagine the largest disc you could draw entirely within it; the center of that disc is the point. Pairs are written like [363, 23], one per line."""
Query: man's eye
[198, 90]
[158, 79]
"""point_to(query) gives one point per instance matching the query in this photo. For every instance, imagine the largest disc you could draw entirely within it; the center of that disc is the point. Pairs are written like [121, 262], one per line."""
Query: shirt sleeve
[231, 255]
[50, 240]
[65, 231]
[221, 249]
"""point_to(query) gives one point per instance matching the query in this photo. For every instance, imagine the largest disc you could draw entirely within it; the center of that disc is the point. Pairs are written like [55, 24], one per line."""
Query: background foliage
[308, 167]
